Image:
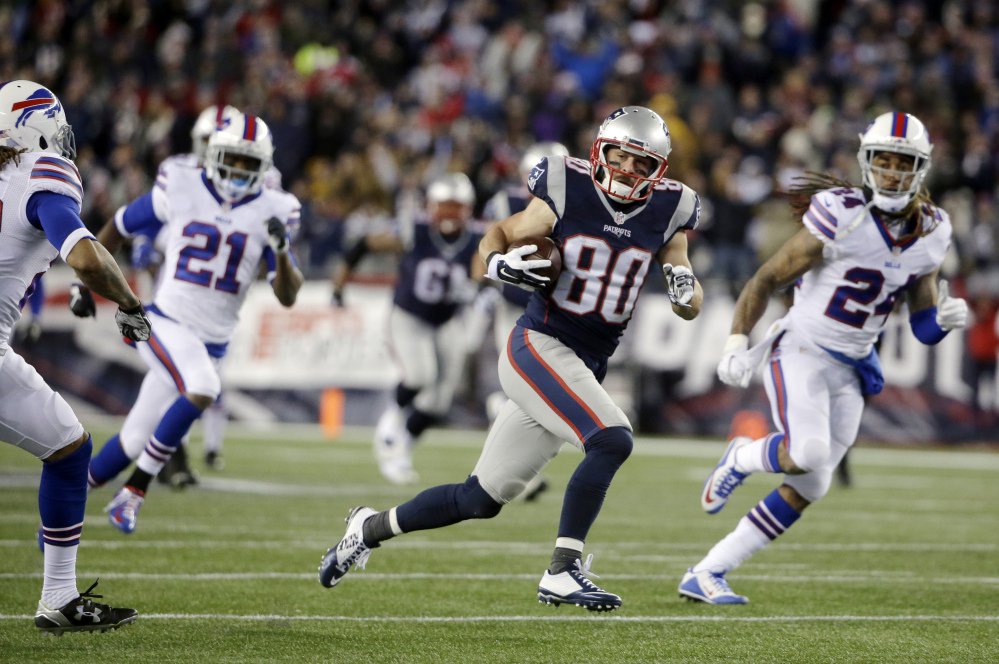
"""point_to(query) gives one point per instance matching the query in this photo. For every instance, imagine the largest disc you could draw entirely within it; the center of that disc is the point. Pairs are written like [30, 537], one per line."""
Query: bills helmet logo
[41, 99]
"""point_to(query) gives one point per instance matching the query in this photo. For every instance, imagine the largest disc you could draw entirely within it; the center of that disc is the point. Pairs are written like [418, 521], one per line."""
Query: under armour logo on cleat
[94, 615]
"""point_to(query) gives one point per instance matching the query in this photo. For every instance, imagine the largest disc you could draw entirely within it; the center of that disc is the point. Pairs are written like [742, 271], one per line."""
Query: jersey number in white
[597, 278]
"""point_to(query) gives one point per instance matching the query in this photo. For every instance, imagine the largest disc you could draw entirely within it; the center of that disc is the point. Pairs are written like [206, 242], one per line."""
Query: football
[547, 249]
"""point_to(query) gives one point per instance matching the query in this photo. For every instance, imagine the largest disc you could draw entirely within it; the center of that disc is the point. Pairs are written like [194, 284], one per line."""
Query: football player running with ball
[860, 249]
[615, 218]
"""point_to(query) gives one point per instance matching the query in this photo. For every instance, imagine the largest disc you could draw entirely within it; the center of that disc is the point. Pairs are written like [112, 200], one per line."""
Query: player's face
[240, 161]
[629, 163]
[893, 171]
[449, 216]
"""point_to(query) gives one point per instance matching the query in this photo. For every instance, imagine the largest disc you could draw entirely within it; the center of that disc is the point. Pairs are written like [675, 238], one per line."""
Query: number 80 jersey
[607, 252]
[843, 303]
[212, 249]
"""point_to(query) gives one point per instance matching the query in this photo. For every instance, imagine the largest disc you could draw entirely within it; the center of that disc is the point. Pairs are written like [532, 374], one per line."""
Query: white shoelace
[583, 569]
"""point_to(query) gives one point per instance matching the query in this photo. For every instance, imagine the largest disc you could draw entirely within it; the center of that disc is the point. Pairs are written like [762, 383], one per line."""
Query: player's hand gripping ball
[546, 250]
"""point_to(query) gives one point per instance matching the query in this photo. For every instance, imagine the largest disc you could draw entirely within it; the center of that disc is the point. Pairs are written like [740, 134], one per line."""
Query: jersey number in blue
[868, 288]
[207, 250]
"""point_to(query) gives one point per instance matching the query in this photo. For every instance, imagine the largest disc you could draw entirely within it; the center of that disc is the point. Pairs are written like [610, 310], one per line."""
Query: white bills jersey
[843, 303]
[212, 248]
[26, 249]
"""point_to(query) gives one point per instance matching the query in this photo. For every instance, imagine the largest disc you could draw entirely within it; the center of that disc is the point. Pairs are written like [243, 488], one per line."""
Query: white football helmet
[450, 200]
[639, 131]
[536, 153]
[245, 139]
[901, 133]
[212, 118]
[31, 117]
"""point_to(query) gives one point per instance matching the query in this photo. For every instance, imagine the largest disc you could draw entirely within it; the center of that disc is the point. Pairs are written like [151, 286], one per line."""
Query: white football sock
[59, 585]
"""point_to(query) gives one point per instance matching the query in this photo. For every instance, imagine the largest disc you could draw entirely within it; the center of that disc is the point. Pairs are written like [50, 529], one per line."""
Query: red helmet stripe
[250, 131]
[899, 125]
[38, 101]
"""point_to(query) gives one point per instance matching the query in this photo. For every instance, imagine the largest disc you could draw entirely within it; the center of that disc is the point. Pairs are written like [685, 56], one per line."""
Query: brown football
[547, 249]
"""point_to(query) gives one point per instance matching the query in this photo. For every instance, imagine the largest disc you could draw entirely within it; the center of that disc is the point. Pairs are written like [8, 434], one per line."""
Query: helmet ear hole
[42, 143]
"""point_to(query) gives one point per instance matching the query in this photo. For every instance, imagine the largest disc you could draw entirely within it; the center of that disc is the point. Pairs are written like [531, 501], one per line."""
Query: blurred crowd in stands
[369, 99]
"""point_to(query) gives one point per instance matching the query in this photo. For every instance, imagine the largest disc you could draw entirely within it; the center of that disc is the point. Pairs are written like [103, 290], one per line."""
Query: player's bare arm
[288, 281]
[923, 293]
[675, 253]
[536, 219]
[798, 255]
[109, 237]
[98, 271]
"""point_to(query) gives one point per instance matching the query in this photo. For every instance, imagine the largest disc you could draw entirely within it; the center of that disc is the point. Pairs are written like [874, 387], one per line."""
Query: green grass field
[902, 567]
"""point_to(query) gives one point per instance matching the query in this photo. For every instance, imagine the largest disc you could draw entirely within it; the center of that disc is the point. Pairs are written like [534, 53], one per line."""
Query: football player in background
[505, 303]
[424, 322]
[40, 198]
[221, 223]
[861, 248]
[614, 217]
[147, 254]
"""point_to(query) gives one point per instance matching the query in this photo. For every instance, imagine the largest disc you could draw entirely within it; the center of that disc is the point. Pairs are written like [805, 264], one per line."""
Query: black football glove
[81, 302]
[133, 323]
[511, 268]
[277, 236]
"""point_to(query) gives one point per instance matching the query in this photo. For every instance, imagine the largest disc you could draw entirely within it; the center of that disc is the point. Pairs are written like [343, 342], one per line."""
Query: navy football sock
[606, 450]
[446, 504]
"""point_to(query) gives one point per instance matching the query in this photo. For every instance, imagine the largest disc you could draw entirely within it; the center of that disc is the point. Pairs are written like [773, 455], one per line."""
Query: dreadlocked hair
[9, 154]
[807, 185]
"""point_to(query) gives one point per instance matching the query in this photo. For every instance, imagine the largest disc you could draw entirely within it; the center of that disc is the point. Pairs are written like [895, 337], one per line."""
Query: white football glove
[511, 268]
[736, 368]
[952, 312]
[679, 284]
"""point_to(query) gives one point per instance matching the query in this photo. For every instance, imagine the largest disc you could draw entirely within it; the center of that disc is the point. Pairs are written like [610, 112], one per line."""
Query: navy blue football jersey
[506, 202]
[607, 252]
[434, 272]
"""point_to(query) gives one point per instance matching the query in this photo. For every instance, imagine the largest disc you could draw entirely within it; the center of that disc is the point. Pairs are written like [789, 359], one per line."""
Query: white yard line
[551, 618]
[844, 577]
[513, 547]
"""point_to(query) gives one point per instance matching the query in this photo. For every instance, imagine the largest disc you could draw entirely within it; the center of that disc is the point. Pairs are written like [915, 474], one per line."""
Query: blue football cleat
[123, 510]
[349, 551]
[723, 479]
[709, 588]
[572, 587]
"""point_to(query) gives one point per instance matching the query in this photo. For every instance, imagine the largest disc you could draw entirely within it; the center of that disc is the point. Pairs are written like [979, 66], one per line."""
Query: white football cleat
[724, 478]
[349, 551]
[709, 588]
[572, 587]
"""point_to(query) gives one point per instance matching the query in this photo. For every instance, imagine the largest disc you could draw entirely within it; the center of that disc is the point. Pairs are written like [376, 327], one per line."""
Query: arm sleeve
[924, 326]
[139, 217]
[57, 216]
